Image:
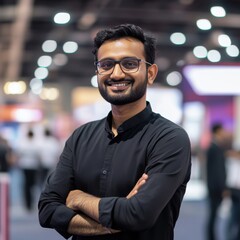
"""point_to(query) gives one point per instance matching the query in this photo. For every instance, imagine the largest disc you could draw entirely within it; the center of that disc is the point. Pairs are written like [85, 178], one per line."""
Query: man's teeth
[119, 84]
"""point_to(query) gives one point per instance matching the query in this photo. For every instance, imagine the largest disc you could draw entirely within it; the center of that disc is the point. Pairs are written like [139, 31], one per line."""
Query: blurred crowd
[35, 155]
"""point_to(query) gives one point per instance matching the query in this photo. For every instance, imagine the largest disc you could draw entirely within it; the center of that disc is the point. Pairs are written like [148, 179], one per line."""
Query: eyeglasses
[127, 65]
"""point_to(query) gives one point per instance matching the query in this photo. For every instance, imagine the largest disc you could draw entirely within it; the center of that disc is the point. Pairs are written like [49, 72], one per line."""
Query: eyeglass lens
[127, 64]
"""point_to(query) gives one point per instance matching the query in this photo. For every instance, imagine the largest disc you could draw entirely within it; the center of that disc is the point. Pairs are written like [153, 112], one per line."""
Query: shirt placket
[105, 171]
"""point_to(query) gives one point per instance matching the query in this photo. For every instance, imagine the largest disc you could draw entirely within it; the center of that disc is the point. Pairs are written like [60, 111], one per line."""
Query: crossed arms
[87, 221]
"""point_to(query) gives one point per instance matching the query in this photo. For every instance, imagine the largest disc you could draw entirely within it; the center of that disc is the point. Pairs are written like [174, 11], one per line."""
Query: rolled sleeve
[106, 207]
[61, 218]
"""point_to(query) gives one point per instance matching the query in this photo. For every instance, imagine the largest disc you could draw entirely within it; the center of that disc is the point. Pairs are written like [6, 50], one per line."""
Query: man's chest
[109, 167]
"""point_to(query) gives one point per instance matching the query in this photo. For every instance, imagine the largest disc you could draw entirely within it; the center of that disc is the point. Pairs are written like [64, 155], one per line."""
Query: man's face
[118, 87]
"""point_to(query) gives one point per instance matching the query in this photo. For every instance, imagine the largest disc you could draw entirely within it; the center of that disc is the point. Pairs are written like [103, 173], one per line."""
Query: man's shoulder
[90, 126]
[163, 123]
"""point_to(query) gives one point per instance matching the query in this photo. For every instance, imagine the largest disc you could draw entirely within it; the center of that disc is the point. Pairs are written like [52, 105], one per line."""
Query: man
[216, 176]
[5, 155]
[233, 184]
[122, 177]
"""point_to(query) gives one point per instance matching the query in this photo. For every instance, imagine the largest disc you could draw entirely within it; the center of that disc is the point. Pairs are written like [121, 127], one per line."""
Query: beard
[124, 98]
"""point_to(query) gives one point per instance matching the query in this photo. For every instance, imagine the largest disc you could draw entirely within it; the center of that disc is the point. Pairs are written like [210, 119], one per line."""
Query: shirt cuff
[106, 208]
[60, 220]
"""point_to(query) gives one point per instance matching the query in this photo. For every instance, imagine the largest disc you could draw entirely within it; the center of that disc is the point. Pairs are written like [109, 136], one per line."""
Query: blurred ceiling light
[62, 18]
[214, 56]
[88, 19]
[41, 73]
[200, 52]
[70, 47]
[232, 51]
[94, 81]
[178, 38]
[36, 85]
[49, 46]
[44, 61]
[218, 11]
[180, 63]
[15, 87]
[60, 59]
[213, 80]
[204, 24]
[174, 78]
[49, 94]
[224, 40]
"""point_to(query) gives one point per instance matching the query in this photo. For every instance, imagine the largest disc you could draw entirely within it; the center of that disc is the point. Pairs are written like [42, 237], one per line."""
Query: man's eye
[106, 64]
[130, 64]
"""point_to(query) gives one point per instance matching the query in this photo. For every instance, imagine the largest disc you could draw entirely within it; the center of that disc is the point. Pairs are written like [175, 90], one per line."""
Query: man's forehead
[122, 44]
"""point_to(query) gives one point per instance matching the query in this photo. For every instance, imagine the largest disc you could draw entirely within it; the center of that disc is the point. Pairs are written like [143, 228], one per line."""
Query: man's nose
[117, 72]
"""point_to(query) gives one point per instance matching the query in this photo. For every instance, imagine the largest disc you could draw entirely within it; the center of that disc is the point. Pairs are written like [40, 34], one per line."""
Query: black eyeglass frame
[110, 71]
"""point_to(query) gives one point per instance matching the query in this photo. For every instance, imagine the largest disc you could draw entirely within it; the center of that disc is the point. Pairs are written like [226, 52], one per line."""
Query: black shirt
[4, 151]
[216, 170]
[98, 163]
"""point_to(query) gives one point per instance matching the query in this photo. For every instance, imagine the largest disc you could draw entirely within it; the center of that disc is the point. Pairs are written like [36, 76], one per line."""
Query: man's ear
[152, 73]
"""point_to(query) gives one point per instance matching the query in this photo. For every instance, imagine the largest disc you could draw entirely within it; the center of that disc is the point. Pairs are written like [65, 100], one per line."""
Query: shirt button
[104, 172]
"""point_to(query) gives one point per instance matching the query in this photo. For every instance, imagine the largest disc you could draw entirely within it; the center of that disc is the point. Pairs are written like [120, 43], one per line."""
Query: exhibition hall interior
[48, 81]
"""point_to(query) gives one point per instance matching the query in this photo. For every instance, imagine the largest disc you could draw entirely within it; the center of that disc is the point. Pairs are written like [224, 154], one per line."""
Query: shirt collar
[141, 117]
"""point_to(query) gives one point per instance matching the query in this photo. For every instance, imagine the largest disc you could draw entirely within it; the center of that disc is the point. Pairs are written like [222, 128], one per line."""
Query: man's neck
[121, 113]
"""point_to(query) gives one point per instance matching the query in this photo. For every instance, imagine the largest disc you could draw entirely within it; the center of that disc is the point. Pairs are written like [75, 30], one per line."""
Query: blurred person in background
[124, 176]
[28, 162]
[6, 155]
[233, 183]
[49, 152]
[216, 176]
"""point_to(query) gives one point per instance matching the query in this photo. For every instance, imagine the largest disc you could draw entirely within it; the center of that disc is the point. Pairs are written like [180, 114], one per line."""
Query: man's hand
[138, 185]
[84, 202]
[73, 199]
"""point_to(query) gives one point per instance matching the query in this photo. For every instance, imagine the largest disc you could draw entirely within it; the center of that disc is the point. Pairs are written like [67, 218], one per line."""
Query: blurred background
[48, 82]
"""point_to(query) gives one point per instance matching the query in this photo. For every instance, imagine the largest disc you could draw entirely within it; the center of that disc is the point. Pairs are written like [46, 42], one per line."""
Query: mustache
[112, 81]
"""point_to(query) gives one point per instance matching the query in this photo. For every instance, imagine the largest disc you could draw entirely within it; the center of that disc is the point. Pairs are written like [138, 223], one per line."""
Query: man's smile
[119, 85]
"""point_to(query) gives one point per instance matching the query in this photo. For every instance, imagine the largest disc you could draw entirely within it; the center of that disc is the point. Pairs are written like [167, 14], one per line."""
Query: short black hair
[30, 133]
[216, 127]
[126, 30]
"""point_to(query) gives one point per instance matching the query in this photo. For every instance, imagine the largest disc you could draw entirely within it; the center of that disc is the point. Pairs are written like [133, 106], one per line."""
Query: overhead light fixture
[204, 24]
[49, 46]
[94, 81]
[213, 79]
[50, 94]
[70, 47]
[232, 51]
[44, 61]
[36, 85]
[178, 38]
[200, 52]
[218, 11]
[41, 73]
[174, 78]
[214, 56]
[62, 18]
[14, 87]
[224, 40]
